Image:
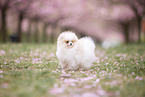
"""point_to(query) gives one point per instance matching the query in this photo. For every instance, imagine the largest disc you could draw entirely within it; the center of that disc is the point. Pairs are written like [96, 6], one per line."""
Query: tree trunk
[29, 32]
[45, 33]
[36, 32]
[19, 29]
[52, 34]
[139, 29]
[126, 32]
[4, 25]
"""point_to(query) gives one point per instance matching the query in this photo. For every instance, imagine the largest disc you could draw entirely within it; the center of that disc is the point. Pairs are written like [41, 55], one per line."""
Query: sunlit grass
[32, 70]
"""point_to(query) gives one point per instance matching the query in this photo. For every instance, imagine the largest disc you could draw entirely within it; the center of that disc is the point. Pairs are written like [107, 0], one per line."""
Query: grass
[32, 70]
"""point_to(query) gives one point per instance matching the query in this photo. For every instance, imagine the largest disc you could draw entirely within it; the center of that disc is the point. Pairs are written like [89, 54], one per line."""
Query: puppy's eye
[67, 41]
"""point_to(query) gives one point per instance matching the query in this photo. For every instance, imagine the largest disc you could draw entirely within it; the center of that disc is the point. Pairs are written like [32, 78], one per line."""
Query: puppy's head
[67, 39]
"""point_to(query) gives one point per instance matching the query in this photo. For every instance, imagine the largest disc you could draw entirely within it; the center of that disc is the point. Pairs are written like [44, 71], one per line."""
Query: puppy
[74, 53]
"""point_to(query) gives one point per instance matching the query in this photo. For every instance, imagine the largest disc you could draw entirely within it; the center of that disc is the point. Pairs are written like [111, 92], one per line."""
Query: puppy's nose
[70, 43]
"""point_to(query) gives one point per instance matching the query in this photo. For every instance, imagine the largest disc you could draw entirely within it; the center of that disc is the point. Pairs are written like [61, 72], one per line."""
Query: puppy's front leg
[72, 65]
[63, 65]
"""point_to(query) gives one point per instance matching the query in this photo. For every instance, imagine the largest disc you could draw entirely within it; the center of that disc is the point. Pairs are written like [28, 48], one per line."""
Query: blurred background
[41, 21]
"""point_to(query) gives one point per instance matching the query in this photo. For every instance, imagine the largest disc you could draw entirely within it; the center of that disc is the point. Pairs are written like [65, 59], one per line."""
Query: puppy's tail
[87, 42]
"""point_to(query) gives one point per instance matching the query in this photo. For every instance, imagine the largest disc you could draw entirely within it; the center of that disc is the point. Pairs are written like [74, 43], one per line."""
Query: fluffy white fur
[74, 53]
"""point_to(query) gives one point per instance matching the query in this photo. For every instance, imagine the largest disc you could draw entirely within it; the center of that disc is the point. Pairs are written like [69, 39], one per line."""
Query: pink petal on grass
[140, 78]
[55, 91]
[89, 95]
[137, 77]
[2, 52]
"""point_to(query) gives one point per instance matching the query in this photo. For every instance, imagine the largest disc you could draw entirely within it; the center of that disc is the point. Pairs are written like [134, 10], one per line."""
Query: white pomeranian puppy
[74, 53]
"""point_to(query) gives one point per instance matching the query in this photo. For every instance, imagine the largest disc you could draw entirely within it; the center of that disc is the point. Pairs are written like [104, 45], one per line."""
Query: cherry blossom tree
[138, 7]
[22, 8]
[4, 7]
[100, 19]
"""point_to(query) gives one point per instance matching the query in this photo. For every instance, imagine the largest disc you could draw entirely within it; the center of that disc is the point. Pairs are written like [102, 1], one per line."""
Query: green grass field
[32, 70]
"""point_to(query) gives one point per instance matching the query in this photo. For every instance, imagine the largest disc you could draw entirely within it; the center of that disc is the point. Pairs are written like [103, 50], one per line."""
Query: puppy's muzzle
[70, 44]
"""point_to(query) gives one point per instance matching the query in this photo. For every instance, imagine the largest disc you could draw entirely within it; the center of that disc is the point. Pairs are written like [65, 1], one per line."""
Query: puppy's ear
[61, 37]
